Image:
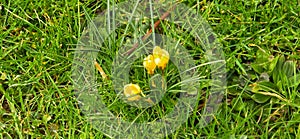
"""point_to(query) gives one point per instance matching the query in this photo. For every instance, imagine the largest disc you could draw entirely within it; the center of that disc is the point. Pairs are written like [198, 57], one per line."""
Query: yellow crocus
[132, 92]
[149, 64]
[161, 57]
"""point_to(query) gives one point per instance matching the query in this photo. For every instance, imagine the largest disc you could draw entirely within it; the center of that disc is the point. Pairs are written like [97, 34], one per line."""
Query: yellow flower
[161, 57]
[149, 64]
[132, 92]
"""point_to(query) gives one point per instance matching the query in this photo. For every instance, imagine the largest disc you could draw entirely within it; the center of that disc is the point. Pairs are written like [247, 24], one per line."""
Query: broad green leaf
[257, 68]
[261, 56]
[294, 81]
[279, 85]
[259, 98]
[267, 86]
[246, 95]
[262, 62]
[273, 63]
[288, 68]
[277, 72]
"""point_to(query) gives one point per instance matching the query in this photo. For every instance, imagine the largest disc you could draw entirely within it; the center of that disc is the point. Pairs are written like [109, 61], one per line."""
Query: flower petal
[131, 89]
[149, 64]
[161, 57]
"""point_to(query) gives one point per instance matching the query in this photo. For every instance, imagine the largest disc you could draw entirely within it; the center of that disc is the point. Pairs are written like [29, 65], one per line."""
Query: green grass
[260, 42]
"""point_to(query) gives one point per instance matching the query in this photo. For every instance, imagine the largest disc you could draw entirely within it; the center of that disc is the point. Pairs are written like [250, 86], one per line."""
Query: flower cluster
[160, 59]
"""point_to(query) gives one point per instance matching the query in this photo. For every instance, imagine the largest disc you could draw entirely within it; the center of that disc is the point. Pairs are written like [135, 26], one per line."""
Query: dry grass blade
[99, 68]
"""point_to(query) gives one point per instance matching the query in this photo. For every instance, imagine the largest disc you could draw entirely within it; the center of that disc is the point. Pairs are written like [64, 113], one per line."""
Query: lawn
[50, 84]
